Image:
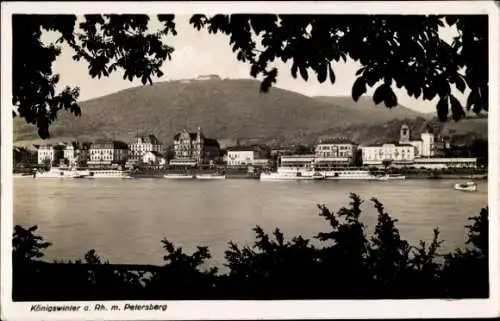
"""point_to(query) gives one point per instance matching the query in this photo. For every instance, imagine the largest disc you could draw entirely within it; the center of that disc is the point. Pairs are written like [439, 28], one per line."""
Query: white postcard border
[318, 309]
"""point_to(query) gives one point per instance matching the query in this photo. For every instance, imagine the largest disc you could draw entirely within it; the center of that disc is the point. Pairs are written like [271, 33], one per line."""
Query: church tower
[404, 134]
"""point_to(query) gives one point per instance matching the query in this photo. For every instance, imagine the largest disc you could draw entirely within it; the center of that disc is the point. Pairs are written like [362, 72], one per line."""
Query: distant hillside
[378, 113]
[224, 109]
[389, 131]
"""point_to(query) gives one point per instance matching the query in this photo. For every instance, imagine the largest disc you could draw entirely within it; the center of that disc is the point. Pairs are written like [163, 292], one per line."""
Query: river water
[124, 220]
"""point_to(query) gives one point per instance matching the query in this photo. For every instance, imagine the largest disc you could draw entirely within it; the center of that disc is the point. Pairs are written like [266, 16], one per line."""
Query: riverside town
[195, 156]
[239, 157]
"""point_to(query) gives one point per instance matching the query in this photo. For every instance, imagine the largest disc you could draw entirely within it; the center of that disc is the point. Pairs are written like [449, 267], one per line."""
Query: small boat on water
[468, 187]
[179, 176]
[210, 176]
[390, 177]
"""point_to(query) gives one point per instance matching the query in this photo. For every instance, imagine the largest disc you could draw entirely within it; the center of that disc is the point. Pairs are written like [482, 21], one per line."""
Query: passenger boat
[348, 175]
[108, 173]
[210, 176]
[179, 176]
[291, 174]
[55, 172]
[390, 177]
[468, 187]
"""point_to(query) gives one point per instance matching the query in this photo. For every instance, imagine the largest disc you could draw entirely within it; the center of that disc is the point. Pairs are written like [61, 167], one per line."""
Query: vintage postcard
[249, 160]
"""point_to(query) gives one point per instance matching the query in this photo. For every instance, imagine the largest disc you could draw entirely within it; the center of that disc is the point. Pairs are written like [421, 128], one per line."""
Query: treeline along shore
[352, 263]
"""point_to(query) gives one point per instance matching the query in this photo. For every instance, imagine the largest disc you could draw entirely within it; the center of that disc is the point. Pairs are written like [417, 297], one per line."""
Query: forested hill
[226, 109]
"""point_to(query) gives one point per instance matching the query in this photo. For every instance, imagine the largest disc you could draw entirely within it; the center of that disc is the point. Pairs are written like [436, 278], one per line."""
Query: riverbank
[446, 176]
[232, 173]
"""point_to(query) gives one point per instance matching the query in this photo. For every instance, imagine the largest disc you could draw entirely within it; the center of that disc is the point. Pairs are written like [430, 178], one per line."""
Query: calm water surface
[124, 220]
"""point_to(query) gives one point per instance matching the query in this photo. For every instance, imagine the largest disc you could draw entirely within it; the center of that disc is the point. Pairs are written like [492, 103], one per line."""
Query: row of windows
[337, 154]
[145, 147]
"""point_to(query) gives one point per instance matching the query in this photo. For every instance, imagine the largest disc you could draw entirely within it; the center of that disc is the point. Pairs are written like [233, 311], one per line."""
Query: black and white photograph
[194, 160]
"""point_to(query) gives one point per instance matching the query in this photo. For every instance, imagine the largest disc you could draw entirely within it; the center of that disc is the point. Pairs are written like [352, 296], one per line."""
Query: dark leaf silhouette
[322, 71]
[442, 108]
[358, 89]
[380, 94]
[390, 98]
[303, 73]
[456, 108]
[332, 74]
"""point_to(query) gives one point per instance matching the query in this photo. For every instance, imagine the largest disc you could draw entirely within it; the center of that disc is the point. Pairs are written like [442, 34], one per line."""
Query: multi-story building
[246, 155]
[334, 153]
[441, 163]
[238, 156]
[45, 154]
[153, 158]
[25, 156]
[61, 154]
[194, 149]
[425, 147]
[301, 160]
[106, 154]
[83, 154]
[397, 154]
[71, 154]
[428, 144]
[140, 145]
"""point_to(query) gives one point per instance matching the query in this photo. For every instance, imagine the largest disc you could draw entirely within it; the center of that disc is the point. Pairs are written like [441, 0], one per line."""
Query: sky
[200, 53]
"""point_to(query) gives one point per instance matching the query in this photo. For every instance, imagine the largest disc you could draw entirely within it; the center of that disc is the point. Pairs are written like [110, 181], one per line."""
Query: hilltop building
[208, 77]
[194, 149]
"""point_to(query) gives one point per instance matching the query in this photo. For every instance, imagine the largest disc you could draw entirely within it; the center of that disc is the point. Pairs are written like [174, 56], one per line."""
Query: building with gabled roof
[194, 149]
[140, 145]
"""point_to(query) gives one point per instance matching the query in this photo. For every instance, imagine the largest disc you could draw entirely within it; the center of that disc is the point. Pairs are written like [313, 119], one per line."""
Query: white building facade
[45, 154]
[108, 153]
[141, 145]
[442, 163]
[424, 147]
[395, 153]
[334, 153]
[427, 144]
[153, 158]
[297, 160]
[240, 157]
[70, 154]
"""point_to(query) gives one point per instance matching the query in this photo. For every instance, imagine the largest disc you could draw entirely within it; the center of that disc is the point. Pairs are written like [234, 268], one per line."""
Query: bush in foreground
[348, 265]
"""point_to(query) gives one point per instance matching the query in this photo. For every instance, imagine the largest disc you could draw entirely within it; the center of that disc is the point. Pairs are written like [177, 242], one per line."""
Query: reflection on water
[125, 220]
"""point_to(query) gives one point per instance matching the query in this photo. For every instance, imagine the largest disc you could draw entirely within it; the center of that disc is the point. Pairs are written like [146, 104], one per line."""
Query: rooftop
[148, 139]
[341, 140]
